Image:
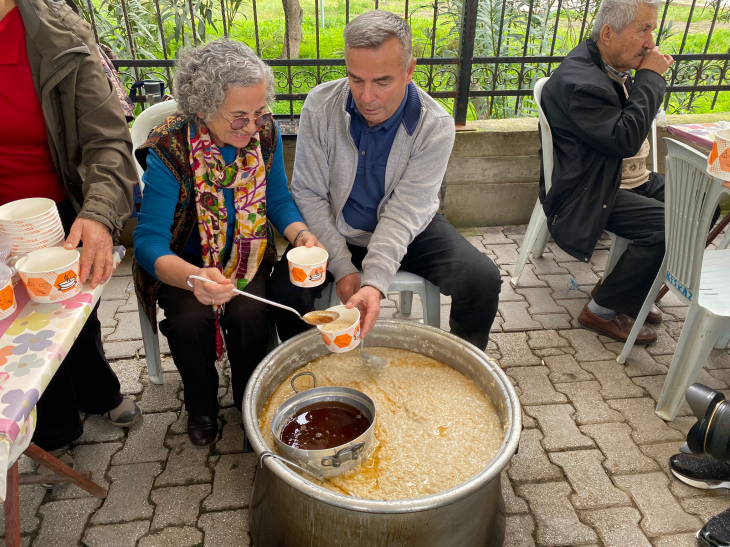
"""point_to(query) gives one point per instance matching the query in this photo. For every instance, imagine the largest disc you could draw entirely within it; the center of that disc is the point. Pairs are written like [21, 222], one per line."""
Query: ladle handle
[264, 300]
[284, 460]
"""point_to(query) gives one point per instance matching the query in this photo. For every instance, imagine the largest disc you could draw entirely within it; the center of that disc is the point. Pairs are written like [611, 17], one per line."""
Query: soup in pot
[434, 429]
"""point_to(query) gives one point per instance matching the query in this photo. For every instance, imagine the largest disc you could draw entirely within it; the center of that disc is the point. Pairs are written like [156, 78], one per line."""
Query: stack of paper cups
[31, 224]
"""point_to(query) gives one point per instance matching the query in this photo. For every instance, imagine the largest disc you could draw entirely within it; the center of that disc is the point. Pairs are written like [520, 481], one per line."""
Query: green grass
[270, 18]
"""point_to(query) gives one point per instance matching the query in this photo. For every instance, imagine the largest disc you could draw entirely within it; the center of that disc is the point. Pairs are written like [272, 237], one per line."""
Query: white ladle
[311, 318]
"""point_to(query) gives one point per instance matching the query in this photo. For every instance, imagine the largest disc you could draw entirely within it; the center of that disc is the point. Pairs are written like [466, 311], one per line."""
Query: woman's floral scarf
[247, 177]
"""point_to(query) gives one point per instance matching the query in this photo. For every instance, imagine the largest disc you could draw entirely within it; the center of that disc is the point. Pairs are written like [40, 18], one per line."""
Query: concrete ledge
[494, 171]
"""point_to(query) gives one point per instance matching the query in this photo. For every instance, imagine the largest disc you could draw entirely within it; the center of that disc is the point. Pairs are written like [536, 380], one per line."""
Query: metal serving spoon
[369, 358]
[312, 318]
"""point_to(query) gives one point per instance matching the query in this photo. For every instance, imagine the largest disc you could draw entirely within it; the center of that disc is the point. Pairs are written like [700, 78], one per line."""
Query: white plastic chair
[725, 242]
[406, 284]
[146, 122]
[537, 235]
[697, 277]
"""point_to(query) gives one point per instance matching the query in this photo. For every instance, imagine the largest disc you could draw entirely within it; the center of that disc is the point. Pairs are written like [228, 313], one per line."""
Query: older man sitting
[600, 117]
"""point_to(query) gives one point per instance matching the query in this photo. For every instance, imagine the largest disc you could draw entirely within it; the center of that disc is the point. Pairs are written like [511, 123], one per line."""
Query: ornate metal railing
[480, 58]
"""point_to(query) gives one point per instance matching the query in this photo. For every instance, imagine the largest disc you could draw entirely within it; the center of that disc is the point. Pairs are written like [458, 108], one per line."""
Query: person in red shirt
[63, 136]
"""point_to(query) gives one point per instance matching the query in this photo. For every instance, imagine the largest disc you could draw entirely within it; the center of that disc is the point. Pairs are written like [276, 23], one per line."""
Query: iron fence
[480, 58]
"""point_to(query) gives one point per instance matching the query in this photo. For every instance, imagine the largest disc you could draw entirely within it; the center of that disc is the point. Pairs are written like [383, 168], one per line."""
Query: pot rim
[412, 505]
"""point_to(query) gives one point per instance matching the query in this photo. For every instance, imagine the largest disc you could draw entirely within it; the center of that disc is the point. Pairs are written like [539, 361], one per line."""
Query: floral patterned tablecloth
[699, 133]
[33, 342]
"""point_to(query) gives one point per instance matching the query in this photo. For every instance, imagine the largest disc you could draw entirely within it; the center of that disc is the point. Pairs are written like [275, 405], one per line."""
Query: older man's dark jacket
[594, 127]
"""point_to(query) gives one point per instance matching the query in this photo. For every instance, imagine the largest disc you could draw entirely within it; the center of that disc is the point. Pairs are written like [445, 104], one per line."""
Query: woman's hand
[299, 235]
[209, 294]
[308, 239]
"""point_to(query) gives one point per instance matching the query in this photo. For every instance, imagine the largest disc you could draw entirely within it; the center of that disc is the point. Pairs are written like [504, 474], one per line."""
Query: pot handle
[314, 379]
[346, 454]
[284, 460]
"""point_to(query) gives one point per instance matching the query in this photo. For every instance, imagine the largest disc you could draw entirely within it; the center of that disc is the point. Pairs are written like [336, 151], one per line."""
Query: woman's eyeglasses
[241, 122]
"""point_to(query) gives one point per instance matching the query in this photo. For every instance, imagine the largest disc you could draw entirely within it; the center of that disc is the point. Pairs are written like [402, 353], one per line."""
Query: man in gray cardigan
[371, 155]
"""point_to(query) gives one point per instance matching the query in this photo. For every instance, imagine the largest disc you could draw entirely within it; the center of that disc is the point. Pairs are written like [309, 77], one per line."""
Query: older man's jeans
[439, 254]
[638, 215]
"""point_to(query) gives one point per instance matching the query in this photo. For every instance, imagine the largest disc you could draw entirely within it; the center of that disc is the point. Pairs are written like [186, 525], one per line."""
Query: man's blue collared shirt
[373, 146]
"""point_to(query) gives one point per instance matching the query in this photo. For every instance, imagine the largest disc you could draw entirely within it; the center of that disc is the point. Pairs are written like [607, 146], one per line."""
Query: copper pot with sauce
[327, 431]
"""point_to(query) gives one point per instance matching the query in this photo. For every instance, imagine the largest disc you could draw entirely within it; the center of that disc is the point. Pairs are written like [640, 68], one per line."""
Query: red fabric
[26, 165]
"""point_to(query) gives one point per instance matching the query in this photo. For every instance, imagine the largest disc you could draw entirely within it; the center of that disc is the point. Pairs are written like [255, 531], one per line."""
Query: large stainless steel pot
[288, 510]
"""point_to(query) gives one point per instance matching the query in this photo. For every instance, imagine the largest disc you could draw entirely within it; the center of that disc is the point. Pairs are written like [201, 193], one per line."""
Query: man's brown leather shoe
[654, 315]
[617, 328]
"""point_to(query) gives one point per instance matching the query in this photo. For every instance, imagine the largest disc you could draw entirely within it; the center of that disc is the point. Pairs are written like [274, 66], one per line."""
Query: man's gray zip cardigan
[324, 172]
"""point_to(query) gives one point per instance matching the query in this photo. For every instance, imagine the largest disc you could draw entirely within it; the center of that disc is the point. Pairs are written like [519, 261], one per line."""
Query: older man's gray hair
[204, 73]
[617, 14]
[373, 28]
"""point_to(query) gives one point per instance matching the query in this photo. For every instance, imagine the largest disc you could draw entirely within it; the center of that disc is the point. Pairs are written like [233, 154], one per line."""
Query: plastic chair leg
[723, 341]
[639, 322]
[406, 302]
[694, 347]
[537, 221]
[432, 305]
[541, 241]
[725, 240]
[151, 348]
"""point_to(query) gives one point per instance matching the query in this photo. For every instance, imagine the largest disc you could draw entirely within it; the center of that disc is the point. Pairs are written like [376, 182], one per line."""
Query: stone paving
[591, 468]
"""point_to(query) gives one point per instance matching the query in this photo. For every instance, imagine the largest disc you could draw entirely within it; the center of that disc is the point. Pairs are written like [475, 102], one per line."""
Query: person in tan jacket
[63, 136]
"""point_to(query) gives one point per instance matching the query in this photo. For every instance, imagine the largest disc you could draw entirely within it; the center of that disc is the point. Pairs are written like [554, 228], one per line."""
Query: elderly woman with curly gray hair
[215, 187]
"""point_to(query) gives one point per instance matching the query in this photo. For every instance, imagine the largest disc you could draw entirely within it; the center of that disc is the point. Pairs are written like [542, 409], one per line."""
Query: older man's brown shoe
[617, 328]
[654, 315]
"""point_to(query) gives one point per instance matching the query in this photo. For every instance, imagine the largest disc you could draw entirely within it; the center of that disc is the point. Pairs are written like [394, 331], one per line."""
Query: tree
[293, 15]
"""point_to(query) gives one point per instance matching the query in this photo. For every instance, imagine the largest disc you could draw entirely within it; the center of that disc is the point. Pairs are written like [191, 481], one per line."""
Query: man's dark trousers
[638, 215]
[439, 254]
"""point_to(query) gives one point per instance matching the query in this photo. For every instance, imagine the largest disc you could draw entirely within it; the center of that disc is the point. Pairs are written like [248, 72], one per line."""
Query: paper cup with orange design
[7, 299]
[307, 266]
[342, 334]
[51, 274]
[718, 162]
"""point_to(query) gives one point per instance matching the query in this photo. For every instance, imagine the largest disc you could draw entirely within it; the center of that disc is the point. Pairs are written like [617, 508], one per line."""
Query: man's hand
[367, 300]
[726, 184]
[97, 242]
[209, 293]
[347, 286]
[655, 60]
[308, 239]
